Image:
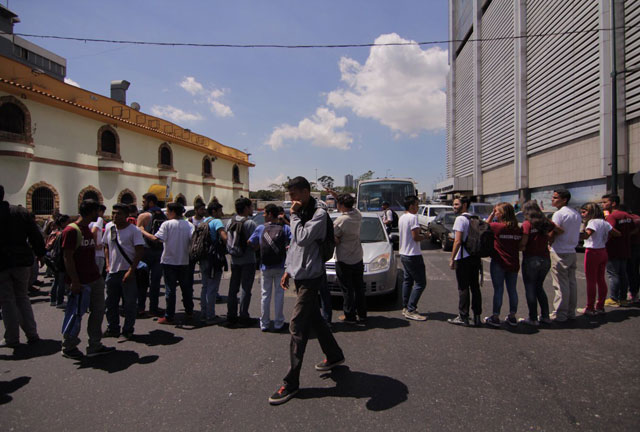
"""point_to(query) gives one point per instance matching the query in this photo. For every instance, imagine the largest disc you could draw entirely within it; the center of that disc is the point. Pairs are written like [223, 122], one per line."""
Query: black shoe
[33, 340]
[5, 344]
[326, 365]
[347, 320]
[101, 350]
[125, 336]
[72, 353]
[108, 333]
[282, 395]
[477, 321]
[459, 321]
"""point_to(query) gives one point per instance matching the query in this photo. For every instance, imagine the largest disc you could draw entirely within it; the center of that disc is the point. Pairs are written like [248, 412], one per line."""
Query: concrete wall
[501, 179]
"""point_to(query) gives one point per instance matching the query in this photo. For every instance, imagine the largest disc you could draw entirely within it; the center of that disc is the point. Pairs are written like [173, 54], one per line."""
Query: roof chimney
[119, 90]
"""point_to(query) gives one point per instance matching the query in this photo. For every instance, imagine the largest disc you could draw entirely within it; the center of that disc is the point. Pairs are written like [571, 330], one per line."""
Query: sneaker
[5, 344]
[165, 320]
[459, 321]
[545, 320]
[211, 321]
[326, 365]
[361, 321]
[99, 350]
[600, 311]
[492, 320]
[108, 333]
[633, 298]
[624, 303]
[414, 315]
[125, 336]
[585, 311]
[511, 320]
[477, 321]
[33, 340]
[72, 353]
[61, 306]
[611, 302]
[347, 320]
[529, 321]
[282, 395]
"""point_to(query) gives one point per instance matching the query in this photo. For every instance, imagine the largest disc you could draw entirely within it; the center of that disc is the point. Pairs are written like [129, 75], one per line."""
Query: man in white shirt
[563, 257]
[200, 214]
[415, 277]
[96, 229]
[467, 267]
[175, 233]
[123, 248]
[387, 216]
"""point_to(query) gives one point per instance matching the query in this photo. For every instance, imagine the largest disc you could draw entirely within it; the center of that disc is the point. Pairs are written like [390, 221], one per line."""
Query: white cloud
[71, 82]
[174, 114]
[192, 86]
[264, 183]
[321, 129]
[210, 96]
[402, 87]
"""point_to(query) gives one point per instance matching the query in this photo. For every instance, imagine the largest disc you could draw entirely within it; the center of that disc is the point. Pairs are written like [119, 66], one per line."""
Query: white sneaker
[414, 315]
[528, 321]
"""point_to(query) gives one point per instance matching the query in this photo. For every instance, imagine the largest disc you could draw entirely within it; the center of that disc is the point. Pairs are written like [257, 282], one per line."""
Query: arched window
[181, 199]
[126, 198]
[108, 142]
[90, 195]
[206, 167]
[236, 174]
[42, 201]
[11, 118]
[165, 156]
[15, 121]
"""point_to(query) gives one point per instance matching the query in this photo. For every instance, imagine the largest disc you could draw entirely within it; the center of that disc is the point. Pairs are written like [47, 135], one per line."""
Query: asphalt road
[399, 375]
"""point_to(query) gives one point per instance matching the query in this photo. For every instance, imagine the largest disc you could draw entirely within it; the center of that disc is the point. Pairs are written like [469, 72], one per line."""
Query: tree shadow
[43, 348]
[382, 392]
[116, 361]
[157, 337]
[373, 322]
[7, 387]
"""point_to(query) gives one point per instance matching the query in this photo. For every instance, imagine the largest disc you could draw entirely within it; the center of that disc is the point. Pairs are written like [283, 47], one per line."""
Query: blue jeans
[241, 275]
[58, 289]
[499, 276]
[152, 260]
[174, 274]
[128, 290]
[414, 282]
[618, 281]
[210, 286]
[534, 272]
[325, 298]
[271, 286]
[90, 299]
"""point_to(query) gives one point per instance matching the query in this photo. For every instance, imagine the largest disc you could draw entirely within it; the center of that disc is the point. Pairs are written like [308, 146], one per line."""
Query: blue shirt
[257, 236]
[214, 226]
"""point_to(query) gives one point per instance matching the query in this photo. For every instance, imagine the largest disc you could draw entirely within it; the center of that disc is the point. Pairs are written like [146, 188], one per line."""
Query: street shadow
[382, 392]
[43, 348]
[440, 316]
[8, 387]
[156, 338]
[373, 322]
[116, 361]
[586, 322]
[34, 300]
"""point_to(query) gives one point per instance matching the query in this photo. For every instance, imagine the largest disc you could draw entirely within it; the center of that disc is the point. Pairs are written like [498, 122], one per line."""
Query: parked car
[428, 212]
[441, 229]
[482, 210]
[381, 275]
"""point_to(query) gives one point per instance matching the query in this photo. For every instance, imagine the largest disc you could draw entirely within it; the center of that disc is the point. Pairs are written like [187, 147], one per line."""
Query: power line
[313, 46]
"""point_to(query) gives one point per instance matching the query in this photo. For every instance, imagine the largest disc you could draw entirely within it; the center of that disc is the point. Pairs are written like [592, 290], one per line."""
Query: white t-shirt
[408, 246]
[129, 238]
[569, 220]
[99, 245]
[598, 239]
[176, 235]
[387, 216]
[462, 225]
[195, 222]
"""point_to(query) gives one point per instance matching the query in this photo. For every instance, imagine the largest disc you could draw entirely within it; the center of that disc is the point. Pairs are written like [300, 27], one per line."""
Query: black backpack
[236, 238]
[394, 219]
[480, 238]
[328, 245]
[273, 244]
[157, 219]
[200, 244]
[56, 255]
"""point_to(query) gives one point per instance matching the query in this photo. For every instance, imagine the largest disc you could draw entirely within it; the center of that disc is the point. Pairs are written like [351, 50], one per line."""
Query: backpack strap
[114, 236]
[79, 236]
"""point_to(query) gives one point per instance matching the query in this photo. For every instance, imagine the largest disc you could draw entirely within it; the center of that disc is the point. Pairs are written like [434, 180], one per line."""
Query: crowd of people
[101, 269]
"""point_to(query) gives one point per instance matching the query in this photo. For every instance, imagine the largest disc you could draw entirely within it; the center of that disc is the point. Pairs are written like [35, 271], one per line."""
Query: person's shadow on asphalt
[382, 392]
[116, 361]
[8, 387]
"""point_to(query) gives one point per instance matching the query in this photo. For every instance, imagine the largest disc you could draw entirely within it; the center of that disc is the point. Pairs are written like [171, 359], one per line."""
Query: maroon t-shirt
[506, 246]
[84, 256]
[537, 243]
[620, 247]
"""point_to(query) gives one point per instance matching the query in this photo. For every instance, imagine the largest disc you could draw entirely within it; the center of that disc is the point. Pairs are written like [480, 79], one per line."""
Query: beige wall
[62, 138]
[633, 132]
[501, 179]
[577, 161]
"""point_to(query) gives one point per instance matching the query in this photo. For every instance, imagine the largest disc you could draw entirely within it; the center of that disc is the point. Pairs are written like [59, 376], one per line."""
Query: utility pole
[614, 103]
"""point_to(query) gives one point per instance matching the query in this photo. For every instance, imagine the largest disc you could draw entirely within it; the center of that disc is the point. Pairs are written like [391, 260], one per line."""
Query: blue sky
[337, 111]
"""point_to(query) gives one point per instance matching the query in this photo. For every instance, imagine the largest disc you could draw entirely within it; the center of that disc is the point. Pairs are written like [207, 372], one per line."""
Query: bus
[372, 193]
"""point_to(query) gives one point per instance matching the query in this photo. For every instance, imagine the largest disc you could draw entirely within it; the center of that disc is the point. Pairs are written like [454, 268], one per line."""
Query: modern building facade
[60, 144]
[530, 99]
[348, 181]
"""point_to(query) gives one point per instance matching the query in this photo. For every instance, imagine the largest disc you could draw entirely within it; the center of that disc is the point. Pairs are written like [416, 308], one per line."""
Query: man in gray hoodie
[305, 265]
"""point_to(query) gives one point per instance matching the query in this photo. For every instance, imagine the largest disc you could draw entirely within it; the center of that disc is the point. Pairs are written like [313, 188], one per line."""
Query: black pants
[467, 273]
[306, 316]
[352, 284]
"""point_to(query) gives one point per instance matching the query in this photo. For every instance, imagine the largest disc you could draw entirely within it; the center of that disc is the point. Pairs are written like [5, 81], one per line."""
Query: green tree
[366, 176]
[326, 181]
